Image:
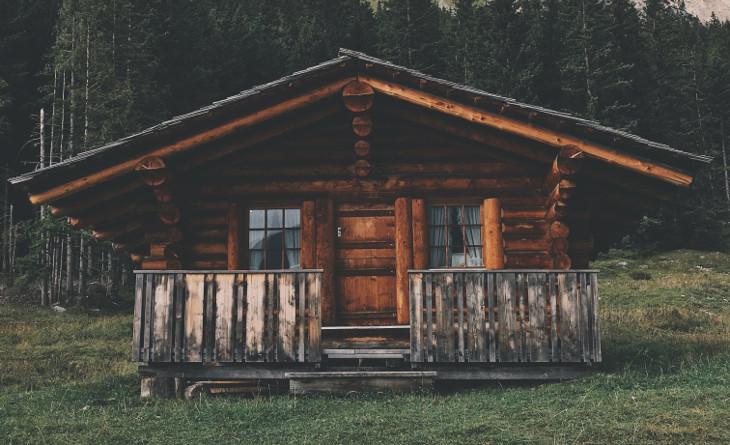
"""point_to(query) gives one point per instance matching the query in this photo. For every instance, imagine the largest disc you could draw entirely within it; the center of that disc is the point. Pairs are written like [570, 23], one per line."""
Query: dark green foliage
[408, 33]
[106, 69]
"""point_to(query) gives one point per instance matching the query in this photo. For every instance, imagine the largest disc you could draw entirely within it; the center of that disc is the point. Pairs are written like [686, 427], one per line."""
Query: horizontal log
[524, 229]
[528, 130]
[212, 220]
[373, 187]
[206, 235]
[562, 211]
[80, 203]
[523, 213]
[528, 260]
[164, 235]
[118, 230]
[218, 264]
[504, 143]
[104, 212]
[158, 249]
[156, 263]
[208, 249]
[231, 127]
[526, 244]
[330, 169]
[130, 244]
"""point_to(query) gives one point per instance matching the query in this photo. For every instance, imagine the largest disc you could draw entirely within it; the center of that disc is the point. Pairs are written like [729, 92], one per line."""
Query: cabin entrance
[365, 264]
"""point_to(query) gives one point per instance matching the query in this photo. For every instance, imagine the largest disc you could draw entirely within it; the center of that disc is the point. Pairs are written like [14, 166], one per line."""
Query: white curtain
[291, 242]
[437, 237]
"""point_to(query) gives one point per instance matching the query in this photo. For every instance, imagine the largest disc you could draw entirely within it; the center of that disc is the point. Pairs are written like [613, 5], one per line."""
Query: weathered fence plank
[314, 283]
[503, 316]
[477, 346]
[138, 314]
[255, 299]
[162, 326]
[194, 292]
[444, 296]
[286, 351]
[460, 353]
[224, 317]
[569, 317]
[227, 316]
[507, 319]
[539, 340]
[416, 305]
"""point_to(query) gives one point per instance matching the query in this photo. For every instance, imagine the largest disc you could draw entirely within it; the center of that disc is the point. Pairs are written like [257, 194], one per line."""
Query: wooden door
[365, 264]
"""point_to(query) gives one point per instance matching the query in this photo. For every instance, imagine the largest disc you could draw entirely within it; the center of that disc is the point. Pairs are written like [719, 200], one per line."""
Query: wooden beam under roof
[552, 138]
[313, 96]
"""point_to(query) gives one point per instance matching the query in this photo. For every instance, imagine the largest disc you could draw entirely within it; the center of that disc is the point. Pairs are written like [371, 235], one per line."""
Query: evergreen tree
[408, 33]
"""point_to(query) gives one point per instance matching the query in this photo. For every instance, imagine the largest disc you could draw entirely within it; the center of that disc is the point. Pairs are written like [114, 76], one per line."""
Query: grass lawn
[65, 378]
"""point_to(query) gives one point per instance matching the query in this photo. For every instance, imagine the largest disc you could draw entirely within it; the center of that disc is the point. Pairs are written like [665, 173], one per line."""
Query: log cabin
[362, 221]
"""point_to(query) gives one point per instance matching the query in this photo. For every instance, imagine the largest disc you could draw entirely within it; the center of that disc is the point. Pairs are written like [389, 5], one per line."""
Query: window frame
[463, 203]
[246, 251]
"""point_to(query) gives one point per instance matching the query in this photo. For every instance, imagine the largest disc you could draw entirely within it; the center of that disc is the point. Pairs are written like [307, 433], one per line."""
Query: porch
[464, 324]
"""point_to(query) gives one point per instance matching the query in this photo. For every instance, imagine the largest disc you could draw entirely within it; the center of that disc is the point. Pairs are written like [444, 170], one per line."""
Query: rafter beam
[298, 102]
[549, 137]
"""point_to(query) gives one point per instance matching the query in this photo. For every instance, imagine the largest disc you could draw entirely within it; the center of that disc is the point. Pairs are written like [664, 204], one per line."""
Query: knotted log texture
[560, 189]
[153, 172]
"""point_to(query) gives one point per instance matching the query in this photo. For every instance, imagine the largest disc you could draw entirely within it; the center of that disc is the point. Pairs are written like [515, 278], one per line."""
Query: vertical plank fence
[227, 316]
[504, 316]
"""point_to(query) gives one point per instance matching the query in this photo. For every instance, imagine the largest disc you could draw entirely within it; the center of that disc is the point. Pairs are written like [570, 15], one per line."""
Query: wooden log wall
[407, 161]
[221, 317]
[504, 316]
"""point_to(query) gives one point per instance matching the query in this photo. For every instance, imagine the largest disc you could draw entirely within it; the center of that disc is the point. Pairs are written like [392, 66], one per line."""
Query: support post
[403, 256]
[492, 244]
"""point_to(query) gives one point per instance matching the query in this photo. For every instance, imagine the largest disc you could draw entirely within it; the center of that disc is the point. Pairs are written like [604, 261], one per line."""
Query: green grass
[64, 378]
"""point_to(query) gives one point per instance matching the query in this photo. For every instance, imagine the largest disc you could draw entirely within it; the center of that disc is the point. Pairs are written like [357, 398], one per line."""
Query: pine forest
[76, 74]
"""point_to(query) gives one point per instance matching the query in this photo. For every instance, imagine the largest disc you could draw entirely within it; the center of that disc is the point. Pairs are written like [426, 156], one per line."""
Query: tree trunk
[69, 266]
[63, 117]
[724, 164]
[82, 271]
[53, 118]
[86, 97]
[11, 253]
[6, 234]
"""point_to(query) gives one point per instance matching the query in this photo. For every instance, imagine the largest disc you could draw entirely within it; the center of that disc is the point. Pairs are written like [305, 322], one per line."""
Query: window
[455, 236]
[273, 239]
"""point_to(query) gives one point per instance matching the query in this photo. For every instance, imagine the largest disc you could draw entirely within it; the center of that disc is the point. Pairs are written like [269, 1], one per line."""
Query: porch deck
[464, 323]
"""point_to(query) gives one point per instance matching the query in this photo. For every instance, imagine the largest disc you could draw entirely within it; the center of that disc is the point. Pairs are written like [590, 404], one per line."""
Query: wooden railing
[504, 316]
[227, 316]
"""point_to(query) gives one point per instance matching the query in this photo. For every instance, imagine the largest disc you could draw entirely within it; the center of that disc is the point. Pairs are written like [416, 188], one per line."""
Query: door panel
[365, 264]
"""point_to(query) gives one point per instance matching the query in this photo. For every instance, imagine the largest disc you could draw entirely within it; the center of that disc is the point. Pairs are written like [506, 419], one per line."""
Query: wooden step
[366, 329]
[347, 381]
[366, 353]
